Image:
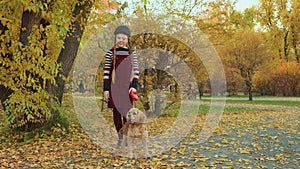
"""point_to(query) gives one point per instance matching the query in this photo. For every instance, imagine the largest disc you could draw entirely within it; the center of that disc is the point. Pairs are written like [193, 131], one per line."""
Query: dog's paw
[130, 155]
[147, 156]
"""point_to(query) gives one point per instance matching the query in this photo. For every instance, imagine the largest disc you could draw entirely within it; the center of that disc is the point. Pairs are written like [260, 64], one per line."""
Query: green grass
[261, 102]
[254, 96]
[267, 102]
[204, 109]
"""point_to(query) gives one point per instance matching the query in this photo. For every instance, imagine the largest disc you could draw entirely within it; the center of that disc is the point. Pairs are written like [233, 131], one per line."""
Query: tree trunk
[285, 46]
[4, 94]
[28, 20]
[176, 91]
[249, 88]
[145, 92]
[4, 91]
[200, 90]
[158, 83]
[157, 104]
[295, 47]
[69, 52]
[250, 94]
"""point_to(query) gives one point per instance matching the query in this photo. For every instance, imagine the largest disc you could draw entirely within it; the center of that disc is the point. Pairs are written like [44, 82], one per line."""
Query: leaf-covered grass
[244, 138]
[172, 110]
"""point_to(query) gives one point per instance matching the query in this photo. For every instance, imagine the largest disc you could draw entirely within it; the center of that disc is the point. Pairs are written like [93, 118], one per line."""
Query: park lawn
[269, 101]
[244, 138]
[204, 109]
[266, 102]
[245, 96]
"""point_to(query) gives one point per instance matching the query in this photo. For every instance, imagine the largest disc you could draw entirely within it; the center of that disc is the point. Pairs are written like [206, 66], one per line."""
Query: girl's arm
[135, 70]
[107, 69]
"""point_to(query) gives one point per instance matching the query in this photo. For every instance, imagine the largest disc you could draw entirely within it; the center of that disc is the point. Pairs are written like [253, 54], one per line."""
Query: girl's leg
[119, 120]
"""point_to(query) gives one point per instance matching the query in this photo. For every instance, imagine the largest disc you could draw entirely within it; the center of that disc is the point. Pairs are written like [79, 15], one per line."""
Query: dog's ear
[142, 117]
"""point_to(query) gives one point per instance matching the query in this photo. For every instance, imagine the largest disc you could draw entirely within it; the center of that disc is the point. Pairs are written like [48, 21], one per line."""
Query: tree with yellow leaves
[39, 42]
[279, 19]
[246, 54]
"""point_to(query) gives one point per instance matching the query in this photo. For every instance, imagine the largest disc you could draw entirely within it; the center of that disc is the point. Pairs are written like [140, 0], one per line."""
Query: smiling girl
[121, 75]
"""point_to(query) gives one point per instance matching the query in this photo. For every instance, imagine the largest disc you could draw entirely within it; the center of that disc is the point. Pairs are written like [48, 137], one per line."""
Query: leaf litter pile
[262, 139]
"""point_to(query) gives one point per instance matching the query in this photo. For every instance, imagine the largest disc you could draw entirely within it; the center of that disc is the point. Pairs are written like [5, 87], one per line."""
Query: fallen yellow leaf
[258, 147]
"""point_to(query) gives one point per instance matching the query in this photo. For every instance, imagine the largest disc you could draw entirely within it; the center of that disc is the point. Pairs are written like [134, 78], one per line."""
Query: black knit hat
[122, 29]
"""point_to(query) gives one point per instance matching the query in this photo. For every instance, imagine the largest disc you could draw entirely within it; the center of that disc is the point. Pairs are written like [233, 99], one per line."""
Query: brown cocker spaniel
[135, 131]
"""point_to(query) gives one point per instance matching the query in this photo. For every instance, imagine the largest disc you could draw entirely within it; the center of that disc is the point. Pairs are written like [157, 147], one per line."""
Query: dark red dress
[126, 66]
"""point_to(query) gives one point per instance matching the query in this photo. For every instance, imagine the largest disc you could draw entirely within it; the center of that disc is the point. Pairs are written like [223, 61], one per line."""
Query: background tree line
[40, 40]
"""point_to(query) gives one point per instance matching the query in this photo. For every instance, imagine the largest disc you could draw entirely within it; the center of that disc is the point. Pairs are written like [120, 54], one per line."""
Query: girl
[121, 74]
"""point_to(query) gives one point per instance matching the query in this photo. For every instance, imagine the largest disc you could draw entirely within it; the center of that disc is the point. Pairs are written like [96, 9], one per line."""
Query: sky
[242, 4]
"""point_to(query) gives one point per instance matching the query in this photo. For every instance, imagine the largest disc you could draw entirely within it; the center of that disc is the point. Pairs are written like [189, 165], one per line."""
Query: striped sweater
[121, 53]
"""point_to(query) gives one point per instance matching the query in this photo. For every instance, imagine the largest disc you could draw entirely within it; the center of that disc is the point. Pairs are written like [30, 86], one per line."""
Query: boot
[120, 136]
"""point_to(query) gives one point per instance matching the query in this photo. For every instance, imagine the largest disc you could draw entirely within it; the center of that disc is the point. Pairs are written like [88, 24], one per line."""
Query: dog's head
[134, 115]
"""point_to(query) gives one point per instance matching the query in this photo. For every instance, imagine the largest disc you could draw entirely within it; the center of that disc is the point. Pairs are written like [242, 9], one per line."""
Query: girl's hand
[133, 90]
[106, 95]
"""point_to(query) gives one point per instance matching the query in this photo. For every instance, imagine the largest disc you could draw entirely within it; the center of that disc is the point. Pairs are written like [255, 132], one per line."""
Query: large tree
[39, 42]
[246, 53]
[280, 20]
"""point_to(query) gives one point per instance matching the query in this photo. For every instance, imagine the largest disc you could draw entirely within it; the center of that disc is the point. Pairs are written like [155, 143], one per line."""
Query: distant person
[81, 87]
